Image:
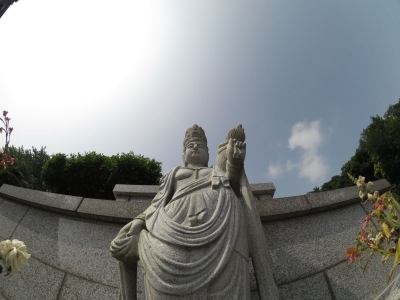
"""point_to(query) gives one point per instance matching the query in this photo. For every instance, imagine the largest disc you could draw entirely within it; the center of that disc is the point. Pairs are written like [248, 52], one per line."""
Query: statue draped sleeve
[124, 246]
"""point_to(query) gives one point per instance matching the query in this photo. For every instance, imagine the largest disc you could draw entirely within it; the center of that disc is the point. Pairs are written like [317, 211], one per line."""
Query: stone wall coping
[128, 191]
[124, 211]
[288, 207]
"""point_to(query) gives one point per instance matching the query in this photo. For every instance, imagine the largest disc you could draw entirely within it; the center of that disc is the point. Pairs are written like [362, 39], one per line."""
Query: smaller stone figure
[196, 238]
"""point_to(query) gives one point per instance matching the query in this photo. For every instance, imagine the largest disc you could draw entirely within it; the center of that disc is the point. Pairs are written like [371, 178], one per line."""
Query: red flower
[10, 129]
[352, 254]
[366, 221]
[380, 204]
[5, 113]
[364, 236]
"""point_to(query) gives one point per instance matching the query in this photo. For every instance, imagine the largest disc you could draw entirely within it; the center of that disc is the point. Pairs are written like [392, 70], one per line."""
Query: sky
[302, 77]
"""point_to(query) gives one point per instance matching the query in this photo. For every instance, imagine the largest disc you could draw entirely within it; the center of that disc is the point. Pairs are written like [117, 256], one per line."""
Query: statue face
[196, 154]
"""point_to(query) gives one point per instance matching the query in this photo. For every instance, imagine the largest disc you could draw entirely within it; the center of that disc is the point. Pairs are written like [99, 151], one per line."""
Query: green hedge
[94, 175]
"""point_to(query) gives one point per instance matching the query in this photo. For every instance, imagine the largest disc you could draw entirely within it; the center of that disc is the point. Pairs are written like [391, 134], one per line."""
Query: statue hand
[125, 246]
[236, 152]
[136, 226]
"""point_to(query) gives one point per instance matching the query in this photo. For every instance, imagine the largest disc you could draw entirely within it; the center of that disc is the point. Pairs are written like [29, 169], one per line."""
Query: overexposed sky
[303, 77]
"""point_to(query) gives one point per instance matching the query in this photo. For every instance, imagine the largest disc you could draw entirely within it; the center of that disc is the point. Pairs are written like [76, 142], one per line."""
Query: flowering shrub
[383, 236]
[6, 158]
[13, 256]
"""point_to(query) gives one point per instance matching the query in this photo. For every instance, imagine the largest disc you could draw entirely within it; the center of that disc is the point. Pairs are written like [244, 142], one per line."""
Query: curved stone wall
[69, 239]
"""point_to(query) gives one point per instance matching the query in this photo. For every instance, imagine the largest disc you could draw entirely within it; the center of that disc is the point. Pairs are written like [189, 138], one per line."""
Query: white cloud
[313, 167]
[308, 137]
[274, 170]
[305, 136]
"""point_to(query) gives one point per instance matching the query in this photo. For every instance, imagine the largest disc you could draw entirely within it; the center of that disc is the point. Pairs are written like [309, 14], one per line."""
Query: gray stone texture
[77, 288]
[391, 291]
[331, 199]
[281, 208]
[349, 281]
[131, 192]
[113, 211]
[11, 214]
[263, 188]
[312, 287]
[35, 281]
[306, 245]
[127, 192]
[381, 185]
[48, 201]
[78, 246]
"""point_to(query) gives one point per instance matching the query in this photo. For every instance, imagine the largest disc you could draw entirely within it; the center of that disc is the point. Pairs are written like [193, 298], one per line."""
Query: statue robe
[195, 245]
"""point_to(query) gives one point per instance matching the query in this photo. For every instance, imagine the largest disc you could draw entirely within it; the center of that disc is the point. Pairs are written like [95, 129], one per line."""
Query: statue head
[195, 150]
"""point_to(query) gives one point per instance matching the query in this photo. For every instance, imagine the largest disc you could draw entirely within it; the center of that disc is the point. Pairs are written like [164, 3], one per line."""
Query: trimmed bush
[94, 175]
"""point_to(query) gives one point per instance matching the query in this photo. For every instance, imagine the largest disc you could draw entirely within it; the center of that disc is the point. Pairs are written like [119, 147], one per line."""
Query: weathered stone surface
[130, 192]
[306, 245]
[282, 208]
[78, 246]
[349, 281]
[35, 281]
[113, 211]
[11, 214]
[78, 288]
[333, 198]
[381, 185]
[391, 291]
[49, 201]
[336, 198]
[263, 189]
[312, 287]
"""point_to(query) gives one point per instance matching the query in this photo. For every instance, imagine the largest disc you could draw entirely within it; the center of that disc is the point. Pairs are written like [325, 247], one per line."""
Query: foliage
[380, 229]
[382, 141]
[378, 153]
[6, 158]
[26, 172]
[94, 175]
[53, 174]
[359, 163]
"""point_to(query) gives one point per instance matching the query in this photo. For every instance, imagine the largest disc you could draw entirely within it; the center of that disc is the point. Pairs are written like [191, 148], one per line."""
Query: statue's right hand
[236, 152]
[125, 246]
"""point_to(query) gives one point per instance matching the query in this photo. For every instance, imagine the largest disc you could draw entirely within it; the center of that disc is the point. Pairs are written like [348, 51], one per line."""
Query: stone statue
[196, 238]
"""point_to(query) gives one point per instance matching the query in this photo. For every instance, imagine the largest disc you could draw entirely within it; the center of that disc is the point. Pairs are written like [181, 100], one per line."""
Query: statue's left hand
[236, 152]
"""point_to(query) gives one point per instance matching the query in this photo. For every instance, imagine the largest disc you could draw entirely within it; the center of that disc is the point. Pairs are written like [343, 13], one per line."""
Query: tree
[378, 153]
[381, 139]
[53, 174]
